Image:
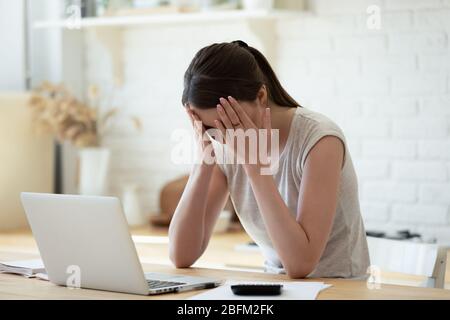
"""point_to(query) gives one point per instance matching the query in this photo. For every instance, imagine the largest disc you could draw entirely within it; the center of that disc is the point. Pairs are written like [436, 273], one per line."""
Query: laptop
[84, 241]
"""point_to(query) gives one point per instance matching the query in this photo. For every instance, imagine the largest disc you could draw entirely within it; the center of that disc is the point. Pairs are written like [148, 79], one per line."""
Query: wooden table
[221, 260]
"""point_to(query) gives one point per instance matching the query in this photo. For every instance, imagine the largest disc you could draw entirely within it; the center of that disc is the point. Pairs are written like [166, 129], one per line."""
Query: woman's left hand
[237, 128]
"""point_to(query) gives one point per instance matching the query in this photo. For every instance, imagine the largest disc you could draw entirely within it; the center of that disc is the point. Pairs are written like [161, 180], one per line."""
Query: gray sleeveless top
[346, 253]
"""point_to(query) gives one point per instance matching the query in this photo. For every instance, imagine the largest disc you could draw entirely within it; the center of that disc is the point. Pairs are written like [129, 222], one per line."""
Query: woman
[305, 217]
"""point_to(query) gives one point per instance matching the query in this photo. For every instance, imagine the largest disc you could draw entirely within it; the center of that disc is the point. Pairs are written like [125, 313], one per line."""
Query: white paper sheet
[291, 291]
[25, 264]
[27, 268]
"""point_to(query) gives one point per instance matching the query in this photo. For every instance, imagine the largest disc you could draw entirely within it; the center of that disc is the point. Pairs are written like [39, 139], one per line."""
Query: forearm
[288, 236]
[186, 231]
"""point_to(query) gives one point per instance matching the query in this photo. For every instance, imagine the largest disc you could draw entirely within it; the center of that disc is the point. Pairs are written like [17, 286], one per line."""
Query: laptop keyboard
[158, 284]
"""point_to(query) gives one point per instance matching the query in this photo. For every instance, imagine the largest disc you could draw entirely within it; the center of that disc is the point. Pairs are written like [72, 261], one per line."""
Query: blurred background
[90, 97]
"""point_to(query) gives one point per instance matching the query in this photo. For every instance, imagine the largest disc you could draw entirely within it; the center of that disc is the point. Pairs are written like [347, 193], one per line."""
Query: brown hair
[231, 69]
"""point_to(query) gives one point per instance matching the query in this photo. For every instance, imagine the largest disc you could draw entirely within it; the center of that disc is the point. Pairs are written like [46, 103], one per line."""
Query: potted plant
[56, 110]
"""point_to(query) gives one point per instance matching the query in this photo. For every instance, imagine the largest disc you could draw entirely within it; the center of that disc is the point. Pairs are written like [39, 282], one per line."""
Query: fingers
[234, 119]
[190, 115]
[198, 124]
[224, 117]
[194, 119]
[199, 129]
[221, 127]
[244, 118]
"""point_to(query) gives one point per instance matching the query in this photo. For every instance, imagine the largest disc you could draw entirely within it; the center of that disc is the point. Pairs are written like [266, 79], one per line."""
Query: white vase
[131, 206]
[94, 167]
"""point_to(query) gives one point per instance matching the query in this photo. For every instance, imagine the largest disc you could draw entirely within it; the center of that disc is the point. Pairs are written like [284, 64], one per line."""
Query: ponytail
[231, 69]
[276, 91]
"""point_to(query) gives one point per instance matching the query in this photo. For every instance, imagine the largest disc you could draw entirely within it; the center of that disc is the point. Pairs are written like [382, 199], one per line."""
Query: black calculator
[257, 289]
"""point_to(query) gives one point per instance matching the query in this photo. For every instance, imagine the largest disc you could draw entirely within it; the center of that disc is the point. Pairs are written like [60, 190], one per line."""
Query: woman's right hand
[205, 152]
[203, 199]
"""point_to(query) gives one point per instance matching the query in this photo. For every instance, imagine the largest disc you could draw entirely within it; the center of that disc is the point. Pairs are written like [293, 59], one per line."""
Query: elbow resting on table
[179, 256]
[296, 272]
[181, 262]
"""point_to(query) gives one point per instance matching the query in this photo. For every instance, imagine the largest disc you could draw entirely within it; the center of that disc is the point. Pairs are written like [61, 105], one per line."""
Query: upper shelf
[168, 18]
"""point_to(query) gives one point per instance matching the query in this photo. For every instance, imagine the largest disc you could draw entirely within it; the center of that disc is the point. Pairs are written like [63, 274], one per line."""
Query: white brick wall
[389, 89]
[399, 77]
